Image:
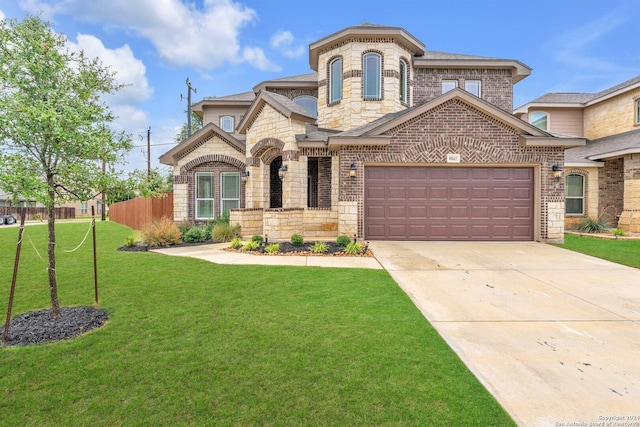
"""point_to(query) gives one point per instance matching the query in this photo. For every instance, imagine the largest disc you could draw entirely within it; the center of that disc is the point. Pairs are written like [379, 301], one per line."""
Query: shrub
[343, 240]
[161, 233]
[225, 218]
[318, 248]
[194, 235]
[257, 238]
[250, 246]
[272, 248]
[297, 240]
[236, 243]
[208, 229]
[619, 232]
[353, 248]
[225, 232]
[595, 225]
[131, 240]
[184, 226]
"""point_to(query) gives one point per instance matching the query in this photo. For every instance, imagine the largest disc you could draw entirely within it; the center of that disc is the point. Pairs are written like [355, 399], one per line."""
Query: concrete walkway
[554, 335]
[216, 253]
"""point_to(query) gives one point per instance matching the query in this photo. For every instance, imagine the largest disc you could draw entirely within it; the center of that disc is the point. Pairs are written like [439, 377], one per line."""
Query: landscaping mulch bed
[38, 327]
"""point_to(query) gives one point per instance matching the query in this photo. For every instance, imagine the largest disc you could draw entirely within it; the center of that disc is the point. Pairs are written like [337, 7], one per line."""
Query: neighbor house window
[404, 78]
[309, 103]
[473, 87]
[226, 123]
[229, 191]
[448, 85]
[539, 120]
[204, 195]
[99, 206]
[335, 80]
[83, 207]
[575, 195]
[372, 76]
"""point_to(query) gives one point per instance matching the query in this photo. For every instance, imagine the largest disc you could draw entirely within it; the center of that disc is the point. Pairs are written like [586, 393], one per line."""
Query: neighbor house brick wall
[453, 127]
[496, 86]
[612, 116]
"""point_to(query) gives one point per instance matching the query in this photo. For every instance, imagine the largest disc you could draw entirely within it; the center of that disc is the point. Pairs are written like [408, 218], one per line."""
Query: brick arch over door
[265, 145]
[211, 158]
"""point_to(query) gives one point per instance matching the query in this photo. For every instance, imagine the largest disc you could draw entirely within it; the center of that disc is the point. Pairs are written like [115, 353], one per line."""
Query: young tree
[196, 125]
[54, 128]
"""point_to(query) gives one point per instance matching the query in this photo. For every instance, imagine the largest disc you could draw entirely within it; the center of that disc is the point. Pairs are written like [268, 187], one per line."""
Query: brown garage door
[444, 203]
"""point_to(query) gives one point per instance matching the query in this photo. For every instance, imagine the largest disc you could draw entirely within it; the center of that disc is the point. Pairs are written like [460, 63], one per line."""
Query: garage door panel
[449, 203]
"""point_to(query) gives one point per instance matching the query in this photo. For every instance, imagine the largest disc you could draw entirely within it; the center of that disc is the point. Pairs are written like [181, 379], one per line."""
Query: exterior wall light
[282, 172]
[557, 172]
[352, 170]
[245, 175]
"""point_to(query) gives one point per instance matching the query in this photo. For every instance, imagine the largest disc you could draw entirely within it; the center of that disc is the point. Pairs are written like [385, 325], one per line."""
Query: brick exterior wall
[611, 188]
[496, 85]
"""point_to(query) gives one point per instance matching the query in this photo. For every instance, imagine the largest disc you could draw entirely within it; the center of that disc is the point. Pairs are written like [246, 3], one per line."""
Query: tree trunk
[51, 252]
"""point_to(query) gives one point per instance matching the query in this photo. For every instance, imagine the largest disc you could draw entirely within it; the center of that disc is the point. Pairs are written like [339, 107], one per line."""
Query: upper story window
[335, 80]
[448, 85]
[309, 103]
[404, 78]
[226, 123]
[539, 120]
[372, 76]
[574, 201]
[473, 87]
[638, 111]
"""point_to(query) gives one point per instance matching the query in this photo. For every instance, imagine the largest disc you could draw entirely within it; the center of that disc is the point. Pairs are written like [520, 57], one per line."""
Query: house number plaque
[453, 158]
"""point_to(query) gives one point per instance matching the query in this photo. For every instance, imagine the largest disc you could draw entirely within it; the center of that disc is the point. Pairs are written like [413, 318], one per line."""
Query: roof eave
[584, 164]
[617, 153]
[521, 70]
[284, 84]
[551, 141]
[613, 94]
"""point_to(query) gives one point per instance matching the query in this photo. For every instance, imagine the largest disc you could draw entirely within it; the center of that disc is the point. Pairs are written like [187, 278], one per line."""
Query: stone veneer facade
[611, 116]
[630, 217]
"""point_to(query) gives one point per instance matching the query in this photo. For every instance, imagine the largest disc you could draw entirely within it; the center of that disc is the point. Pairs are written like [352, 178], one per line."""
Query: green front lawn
[625, 252]
[193, 343]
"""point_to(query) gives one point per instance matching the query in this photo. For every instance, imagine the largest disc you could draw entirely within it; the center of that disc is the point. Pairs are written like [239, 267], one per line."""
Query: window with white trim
[229, 191]
[371, 76]
[574, 200]
[335, 80]
[226, 123]
[99, 206]
[539, 120]
[309, 103]
[473, 87]
[204, 195]
[83, 208]
[448, 85]
[404, 78]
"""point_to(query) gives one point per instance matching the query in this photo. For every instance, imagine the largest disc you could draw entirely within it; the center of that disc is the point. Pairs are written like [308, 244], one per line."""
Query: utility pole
[149, 153]
[189, 90]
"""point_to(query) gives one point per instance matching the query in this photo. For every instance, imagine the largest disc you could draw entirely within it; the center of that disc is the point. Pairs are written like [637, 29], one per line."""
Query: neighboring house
[81, 208]
[602, 177]
[383, 140]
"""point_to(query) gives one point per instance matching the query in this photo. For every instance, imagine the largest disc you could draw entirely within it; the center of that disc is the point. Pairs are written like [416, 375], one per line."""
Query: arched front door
[275, 184]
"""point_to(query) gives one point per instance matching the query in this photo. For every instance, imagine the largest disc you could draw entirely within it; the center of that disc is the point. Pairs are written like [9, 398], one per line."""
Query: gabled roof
[376, 132]
[308, 80]
[433, 59]
[314, 136]
[204, 134]
[604, 148]
[400, 35]
[238, 99]
[281, 103]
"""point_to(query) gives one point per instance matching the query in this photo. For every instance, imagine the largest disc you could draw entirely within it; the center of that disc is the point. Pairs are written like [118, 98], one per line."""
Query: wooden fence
[137, 213]
[37, 213]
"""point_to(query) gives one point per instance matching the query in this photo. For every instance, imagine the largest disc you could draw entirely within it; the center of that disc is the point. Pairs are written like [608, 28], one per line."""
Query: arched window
[539, 120]
[226, 123]
[574, 204]
[335, 80]
[404, 78]
[371, 76]
[309, 103]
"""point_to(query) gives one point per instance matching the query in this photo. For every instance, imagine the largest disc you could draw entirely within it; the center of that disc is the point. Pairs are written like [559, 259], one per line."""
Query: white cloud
[183, 34]
[283, 41]
[1, 15]
[258, 59]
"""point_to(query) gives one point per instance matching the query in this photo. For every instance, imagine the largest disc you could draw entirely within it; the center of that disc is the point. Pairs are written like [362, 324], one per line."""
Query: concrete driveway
[554, 335]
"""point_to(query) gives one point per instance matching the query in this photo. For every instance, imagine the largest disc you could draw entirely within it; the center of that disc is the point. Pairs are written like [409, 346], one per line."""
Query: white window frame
[637, 104]
[532, 120]
[468, 86]
[223, 199]
[449, 85]
[227, 123]
[84, 208]
[372, 70]
[199, 199]
[99, 203]
[335, 81]
[581, 197]
[404, 82]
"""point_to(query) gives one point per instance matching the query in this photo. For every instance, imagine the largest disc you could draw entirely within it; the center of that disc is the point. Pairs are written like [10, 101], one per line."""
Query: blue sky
[226, 47]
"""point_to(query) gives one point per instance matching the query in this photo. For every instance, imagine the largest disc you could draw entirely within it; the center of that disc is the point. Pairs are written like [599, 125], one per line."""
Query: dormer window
[335, 81]
[226, 123]
[372, 76]
[309, 103]
[539, 120]
[404, 74]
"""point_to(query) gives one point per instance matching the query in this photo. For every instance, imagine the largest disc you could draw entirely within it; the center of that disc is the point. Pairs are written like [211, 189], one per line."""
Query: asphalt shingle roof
[602, 146]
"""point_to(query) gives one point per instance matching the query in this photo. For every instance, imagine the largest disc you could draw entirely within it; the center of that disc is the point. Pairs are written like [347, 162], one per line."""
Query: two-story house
[602, 177]
[384, 139]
